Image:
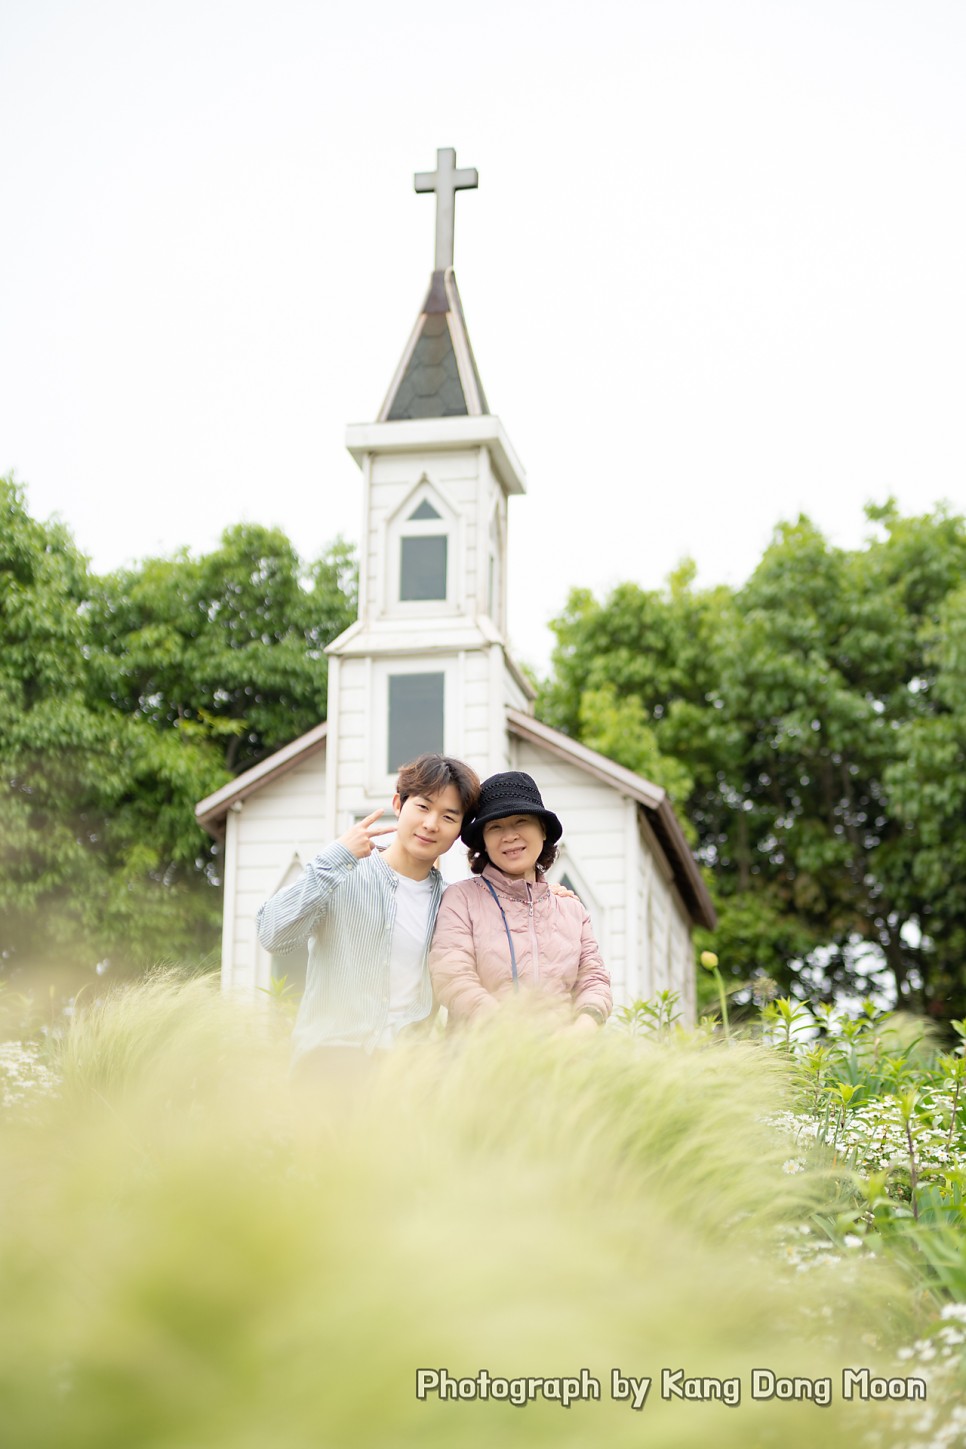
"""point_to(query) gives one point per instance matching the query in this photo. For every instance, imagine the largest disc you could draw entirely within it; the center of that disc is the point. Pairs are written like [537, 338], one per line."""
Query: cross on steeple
[446, 181]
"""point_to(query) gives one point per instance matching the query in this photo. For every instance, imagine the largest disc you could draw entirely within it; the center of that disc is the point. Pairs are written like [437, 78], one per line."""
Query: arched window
[423, 551]
[420, 548]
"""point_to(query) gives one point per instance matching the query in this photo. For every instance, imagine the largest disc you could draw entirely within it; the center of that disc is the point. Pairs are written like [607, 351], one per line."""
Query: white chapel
[426, 667]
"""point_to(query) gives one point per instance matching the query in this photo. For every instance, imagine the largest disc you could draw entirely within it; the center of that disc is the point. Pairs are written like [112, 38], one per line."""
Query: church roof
[658, 810]
[210, 813]
[437, 376]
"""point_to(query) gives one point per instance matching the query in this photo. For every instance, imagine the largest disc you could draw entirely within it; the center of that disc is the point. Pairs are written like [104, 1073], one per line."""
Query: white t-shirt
[407, 951]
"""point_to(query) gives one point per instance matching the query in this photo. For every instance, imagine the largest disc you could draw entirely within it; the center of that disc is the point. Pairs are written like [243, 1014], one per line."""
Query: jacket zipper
[533, 935]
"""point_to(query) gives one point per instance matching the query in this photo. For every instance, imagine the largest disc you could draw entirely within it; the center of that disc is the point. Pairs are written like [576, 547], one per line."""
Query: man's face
[428, 824]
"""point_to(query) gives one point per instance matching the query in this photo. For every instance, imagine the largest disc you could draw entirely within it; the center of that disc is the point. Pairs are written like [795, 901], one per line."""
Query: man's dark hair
[430, 774]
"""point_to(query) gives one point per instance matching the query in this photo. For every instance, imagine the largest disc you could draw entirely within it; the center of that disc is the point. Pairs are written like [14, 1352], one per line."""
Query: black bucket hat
[512, 793]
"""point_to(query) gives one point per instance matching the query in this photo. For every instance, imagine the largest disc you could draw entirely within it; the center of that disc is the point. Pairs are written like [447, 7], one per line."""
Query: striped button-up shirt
[345, 909]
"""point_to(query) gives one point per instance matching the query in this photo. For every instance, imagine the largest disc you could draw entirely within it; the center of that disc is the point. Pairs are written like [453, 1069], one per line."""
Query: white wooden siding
[475, 722]
[682, 961]
[646, 875]
[354, 709]
[515, 697]
[285, 818]
[458, 478]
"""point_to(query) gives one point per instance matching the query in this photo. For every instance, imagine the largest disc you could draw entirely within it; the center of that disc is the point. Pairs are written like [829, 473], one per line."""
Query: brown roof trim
[210, 812]
[658, 808]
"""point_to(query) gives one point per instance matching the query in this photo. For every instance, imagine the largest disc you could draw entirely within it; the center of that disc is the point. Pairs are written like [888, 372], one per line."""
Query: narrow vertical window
[416, 705]
[423, 555]
[493, 578]
[422, 568]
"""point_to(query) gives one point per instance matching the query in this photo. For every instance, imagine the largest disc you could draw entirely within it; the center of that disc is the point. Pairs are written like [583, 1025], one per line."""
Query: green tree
[819, 713]
[98, 857]
[618, 727]
[632, 677]
[229, 645]
[125, 700]
[926, 785]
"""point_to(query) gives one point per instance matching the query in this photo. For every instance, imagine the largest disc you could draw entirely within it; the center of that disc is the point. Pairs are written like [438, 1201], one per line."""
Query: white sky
[714, 273]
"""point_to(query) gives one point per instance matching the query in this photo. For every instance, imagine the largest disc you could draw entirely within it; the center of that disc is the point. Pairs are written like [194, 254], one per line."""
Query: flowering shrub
[24, 1075]
[880, 1109]
[791, 1196]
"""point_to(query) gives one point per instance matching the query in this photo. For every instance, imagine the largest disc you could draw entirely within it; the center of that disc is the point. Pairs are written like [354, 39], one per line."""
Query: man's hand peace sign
[359, 837]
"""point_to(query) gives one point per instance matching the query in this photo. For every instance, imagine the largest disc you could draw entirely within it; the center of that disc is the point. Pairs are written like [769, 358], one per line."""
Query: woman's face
[514, 843]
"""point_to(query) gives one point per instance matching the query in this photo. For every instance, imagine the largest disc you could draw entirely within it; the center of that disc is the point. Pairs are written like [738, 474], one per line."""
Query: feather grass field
[194, 1254]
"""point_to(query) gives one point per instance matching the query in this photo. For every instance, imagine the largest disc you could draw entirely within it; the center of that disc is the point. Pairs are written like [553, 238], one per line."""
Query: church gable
[272, 820]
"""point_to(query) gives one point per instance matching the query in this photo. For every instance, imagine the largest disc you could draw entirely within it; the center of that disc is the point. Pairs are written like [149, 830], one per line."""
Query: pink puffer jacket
[557, 955]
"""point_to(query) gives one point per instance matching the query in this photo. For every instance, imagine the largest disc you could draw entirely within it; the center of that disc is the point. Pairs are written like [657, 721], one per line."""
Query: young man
[368, 916]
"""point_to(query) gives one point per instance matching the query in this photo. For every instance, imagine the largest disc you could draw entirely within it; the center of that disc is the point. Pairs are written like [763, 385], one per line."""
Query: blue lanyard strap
[509, 938]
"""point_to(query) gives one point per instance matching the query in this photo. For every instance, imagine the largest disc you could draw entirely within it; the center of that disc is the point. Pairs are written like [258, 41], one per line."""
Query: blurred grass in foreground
[193, 1255]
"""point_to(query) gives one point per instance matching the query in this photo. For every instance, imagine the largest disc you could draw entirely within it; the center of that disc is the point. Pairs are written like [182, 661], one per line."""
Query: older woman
[504, 930]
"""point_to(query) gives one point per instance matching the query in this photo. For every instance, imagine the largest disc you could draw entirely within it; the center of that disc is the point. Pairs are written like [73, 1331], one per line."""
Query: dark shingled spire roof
[437, 375]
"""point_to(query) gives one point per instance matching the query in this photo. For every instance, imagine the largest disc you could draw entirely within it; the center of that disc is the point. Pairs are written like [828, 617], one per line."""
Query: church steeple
[437, 376]
[427, 662]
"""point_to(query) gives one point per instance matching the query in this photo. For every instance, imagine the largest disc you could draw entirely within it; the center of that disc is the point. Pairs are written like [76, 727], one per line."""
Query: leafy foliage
[123, 701]
[228, 646]
[818, 714]
[344, 1221]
